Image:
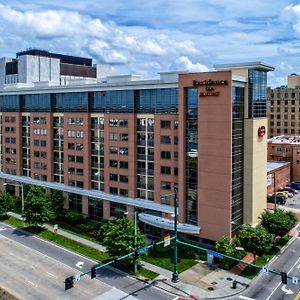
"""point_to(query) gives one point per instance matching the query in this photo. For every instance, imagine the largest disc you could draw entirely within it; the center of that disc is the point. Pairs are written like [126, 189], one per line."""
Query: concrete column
[85, 205]
[106, 209]
[2, 187]
[66, 203]
[130, 210]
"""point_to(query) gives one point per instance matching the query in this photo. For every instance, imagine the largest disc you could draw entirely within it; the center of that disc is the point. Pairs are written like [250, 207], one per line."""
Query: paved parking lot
[294, 202]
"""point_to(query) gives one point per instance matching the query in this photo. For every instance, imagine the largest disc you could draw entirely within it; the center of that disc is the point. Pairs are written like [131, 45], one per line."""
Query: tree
[37, 209]
[57, 200]
[256, 240]
[7, 202]
[278, 222]
[119, 238]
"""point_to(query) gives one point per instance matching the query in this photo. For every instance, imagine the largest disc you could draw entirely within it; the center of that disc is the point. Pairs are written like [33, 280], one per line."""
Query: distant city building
[279, 175]
[284, 108]
[286, 149]
[118, 144]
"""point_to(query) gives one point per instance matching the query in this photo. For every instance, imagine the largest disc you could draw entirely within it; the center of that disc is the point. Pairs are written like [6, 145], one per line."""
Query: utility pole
[175, 275]
[275, 200]
[135, 238]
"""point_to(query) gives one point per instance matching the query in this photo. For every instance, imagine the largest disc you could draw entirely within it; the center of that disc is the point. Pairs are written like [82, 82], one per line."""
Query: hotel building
[283, 108]
[120, 143]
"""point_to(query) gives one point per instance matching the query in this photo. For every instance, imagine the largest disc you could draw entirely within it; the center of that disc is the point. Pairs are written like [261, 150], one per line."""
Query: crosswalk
[114, 294]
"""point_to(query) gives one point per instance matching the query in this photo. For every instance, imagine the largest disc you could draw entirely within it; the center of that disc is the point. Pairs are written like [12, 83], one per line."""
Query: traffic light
[69, 283]
[93, 272]
[283, 277]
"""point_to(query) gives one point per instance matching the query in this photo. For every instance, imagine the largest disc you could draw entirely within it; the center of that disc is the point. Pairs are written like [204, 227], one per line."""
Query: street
[30, 272]
[269, 286]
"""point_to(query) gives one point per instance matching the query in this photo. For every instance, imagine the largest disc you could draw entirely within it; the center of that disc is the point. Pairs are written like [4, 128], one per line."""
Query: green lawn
[147, 273]
[162, 257]
[251, 272]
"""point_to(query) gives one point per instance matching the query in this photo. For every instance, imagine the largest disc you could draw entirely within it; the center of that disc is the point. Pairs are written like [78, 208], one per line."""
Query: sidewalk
[199, 282]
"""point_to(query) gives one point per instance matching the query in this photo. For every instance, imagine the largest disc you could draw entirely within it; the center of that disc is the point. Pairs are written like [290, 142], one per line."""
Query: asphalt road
[33, 276]
[269, 286]
[128, 285]
[293, 202]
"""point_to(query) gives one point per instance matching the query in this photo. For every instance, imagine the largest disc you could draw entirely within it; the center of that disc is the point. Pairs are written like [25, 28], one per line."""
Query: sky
[147, 37]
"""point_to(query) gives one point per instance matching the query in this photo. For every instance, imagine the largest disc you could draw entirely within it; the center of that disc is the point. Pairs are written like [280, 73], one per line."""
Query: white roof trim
[168, 224]
[142, 203]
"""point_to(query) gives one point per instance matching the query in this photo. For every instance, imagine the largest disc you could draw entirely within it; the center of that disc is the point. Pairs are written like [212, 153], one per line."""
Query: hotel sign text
[209, 86]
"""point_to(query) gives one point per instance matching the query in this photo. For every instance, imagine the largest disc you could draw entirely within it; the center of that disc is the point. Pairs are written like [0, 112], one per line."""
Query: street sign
[167, 241]
[216, 254]
[265, 269]
[142, 250]
[295, 280]
[77, 277]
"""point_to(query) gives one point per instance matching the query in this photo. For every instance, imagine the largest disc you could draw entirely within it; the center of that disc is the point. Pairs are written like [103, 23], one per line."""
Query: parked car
[290, 194]
[294, 185]
[290, 190]
[283, 194]
[279, 199]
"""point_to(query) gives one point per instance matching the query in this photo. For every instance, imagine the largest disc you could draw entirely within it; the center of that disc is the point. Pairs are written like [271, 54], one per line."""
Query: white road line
[51, 274]
[246, 298]
[32, 283]
[280, 281]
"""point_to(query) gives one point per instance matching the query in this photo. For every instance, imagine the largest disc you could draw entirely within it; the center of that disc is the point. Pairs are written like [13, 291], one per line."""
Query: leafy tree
[119, 238]
[256, 240]
[37, 209]
[278, 222]
[57, 200]
[7, 202]
[225, 246]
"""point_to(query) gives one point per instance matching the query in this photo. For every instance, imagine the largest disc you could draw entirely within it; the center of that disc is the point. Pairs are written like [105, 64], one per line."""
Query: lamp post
[135, 236]
[175, 275]
[275, 200]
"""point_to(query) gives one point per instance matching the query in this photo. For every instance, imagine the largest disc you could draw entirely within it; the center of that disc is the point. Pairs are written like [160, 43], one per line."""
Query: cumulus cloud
[291, 14]
[149, 37]
[184, 63]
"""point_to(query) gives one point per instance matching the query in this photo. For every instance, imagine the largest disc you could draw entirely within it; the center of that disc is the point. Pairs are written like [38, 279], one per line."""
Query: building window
[165, 139]
[124, 192]
[123, 164]
[113, 177]
[165, 124]
[124, 178]
[165, 170]
[113, 190]
[113, 163]
[165, 155]
[165, 185]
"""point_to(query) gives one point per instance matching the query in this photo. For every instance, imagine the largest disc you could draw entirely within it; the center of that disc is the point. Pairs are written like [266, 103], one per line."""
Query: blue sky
[146, 37]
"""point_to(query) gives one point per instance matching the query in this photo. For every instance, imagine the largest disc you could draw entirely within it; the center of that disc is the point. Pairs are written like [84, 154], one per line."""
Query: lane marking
[280, 281]
[288, 292]
[246, 298]
[80, 264]
[32, 283]
[51, 274]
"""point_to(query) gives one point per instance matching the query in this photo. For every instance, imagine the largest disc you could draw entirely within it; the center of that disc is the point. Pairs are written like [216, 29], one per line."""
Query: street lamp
[135, 235]
[22, 192]
[175, 275]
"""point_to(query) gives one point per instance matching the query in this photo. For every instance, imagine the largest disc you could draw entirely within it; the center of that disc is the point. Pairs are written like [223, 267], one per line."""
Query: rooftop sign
[209, 86]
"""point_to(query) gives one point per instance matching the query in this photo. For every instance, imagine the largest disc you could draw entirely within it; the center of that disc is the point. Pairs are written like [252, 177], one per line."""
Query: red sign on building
[261, 131]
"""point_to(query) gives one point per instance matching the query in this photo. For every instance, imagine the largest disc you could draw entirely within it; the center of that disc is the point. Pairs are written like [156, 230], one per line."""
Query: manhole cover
[211, 288]
[229, 278]
[214, 283]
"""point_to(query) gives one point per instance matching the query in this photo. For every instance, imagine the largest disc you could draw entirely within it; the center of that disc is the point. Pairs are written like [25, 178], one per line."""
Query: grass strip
[70, 244]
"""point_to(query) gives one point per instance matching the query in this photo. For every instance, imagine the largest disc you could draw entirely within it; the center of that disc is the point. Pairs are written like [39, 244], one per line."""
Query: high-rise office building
[119, 143]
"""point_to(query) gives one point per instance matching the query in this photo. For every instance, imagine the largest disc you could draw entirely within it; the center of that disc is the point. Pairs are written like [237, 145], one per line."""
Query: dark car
[279, 199]
[295, 185]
